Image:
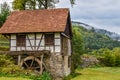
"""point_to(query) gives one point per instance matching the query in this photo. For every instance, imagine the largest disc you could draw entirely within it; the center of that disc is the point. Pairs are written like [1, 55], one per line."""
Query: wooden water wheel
[32, 63]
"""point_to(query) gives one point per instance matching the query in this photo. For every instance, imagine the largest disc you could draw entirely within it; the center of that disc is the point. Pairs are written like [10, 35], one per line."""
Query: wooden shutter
[21, 40]
[49, 39]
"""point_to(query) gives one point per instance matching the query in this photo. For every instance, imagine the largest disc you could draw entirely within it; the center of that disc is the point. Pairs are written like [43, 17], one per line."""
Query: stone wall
[58, 66]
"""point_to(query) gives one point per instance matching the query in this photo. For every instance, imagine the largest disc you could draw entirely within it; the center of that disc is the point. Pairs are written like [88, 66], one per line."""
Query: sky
[104, 14]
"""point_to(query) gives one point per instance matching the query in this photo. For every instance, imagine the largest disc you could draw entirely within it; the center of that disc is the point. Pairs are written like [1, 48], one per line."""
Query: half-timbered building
[35, 31]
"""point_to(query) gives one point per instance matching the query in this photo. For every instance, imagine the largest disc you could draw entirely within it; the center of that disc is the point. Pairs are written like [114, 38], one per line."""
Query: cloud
[99, 13]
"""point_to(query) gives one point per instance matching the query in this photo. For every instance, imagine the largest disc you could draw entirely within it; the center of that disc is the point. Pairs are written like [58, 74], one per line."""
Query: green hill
[95, 41]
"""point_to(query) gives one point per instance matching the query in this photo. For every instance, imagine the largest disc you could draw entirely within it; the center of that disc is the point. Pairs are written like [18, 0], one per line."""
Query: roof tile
[27, 21]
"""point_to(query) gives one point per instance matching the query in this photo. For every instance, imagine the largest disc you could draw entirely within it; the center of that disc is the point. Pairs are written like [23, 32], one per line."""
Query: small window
[49, 39]
[21, 40]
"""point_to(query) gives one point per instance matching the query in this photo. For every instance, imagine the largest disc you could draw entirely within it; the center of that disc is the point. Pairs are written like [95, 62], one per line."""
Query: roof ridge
[42, 9]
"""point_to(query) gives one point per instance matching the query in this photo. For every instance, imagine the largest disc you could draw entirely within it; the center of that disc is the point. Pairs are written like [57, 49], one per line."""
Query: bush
[117, 62]
[44, 76]
[12, 69]
[5, 60]
[110, 58]
[7, 65]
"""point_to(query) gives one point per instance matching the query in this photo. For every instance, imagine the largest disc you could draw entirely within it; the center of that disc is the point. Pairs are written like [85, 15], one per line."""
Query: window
[21, 40]
[49, 39]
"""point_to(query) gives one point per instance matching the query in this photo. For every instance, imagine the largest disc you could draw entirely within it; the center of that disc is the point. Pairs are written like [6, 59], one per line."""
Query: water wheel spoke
[37, 67]
[26, 64]
[32, 63]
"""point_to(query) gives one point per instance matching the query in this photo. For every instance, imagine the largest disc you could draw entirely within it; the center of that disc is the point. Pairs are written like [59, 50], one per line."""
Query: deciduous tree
[36, 4]
[5, 10]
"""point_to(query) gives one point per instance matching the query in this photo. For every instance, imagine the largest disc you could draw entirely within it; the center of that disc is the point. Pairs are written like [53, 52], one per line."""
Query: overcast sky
[103, 14]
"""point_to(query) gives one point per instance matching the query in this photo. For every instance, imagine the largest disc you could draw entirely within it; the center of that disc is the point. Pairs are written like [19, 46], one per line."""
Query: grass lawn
[13, 78]
[104, 73]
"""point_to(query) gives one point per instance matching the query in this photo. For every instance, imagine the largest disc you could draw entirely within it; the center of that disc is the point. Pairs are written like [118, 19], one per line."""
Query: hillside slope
[94, 40]
[112, 35]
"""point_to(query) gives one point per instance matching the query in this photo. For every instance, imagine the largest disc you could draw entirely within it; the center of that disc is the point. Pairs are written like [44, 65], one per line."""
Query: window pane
[21, 40]
[49, 39]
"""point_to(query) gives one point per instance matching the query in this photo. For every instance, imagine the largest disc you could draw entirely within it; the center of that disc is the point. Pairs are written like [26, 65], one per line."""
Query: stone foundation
[58, 66]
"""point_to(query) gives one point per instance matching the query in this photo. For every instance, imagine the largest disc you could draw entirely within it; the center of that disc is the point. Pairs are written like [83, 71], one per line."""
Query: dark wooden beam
[40, 42]
[29, 42]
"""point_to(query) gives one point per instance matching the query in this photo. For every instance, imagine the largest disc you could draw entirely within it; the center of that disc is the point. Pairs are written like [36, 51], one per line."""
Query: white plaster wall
[13, 42]
[57, 48]
[57, 43]
[42, 42]
[13, 49]
[52, 49]
[47, 48]
[30, 43]
[39, 35]
[38, 38]
[20, 48]
[27, 43]
[28, 48]
[42, 45]
[41, 48]
[31, 36]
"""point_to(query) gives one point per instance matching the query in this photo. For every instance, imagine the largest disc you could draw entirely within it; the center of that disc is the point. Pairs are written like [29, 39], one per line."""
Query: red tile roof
[27, 21]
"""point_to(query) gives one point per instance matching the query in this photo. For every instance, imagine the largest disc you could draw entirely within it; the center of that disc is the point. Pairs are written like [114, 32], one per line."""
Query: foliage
[67, 77]
[45, 76]
[7, 65]
[95, 41]
[4, 43]
[5, 11]
[35, 4]
[5, 60]
[78, 48]
[108, 57]
[8, 68]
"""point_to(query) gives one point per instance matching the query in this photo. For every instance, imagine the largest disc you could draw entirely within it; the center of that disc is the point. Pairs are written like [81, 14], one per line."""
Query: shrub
[110, 58]
[7, 65]
[12, 69]
[5, 60]
[44, 76]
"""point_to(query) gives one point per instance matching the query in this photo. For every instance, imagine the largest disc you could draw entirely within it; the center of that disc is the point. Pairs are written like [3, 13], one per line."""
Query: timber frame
[42, 42]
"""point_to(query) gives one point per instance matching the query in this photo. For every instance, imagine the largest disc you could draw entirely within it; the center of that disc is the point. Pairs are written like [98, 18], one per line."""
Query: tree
[5, 11]
[35, 4]
[78, 48]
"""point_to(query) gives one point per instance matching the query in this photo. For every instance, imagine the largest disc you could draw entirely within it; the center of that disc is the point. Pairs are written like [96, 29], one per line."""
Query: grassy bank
[104, 73]
[13, 78]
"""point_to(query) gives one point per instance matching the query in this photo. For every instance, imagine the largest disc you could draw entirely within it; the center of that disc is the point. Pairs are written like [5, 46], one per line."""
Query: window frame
[21, 40]
[49, 39]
